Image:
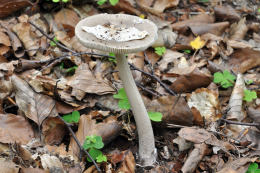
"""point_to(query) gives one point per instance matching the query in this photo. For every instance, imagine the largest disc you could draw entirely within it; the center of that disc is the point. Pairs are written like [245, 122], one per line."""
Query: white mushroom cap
[90, 32]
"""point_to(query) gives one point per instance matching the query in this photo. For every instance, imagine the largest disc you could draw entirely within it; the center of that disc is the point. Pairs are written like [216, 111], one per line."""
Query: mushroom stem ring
[121, 34]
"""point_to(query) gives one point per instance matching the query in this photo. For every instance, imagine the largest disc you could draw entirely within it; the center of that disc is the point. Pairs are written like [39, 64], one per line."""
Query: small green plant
[203, 1]
[155, 116]
[124, 104]
[253, 168]
[225, 79]
[258, 10]
[112, 57]
[93, 144]
[56, 1]
[160, 50]
[112, 2]
[188, 51]
[73, 117]
[70, 70]
[249, 82]
[123, 100]
[53, 43]
[249, 95]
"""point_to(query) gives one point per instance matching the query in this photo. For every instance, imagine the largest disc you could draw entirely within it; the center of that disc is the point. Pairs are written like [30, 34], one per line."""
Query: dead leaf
[158, 7]
[183, 25]
[66, 19]
[9, 7]
[174, 110]
[206, 102]
[213, 28]
[4, 39]
[243, 60]
[238, 30]
[15, 128]
[53, 130]
[128, 163]
[83, 81]
[35, 106]
[225, 13]
[8, 167]
[191, 81]
[108, 130]
[33, 170]
[168, 57]
[50, 162]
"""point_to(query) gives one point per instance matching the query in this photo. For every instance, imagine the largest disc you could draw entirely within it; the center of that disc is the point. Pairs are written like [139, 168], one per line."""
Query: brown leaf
[168, 57]
[158, 7]
[67, 19]
[206, 102]
[33, 170]
[174, 110]
[202, 18]
[128, 163]
[228, 13]
[15, 128]
[35, 106]
[244, 59]
[214, 28]
[108, 130]
[29, 39]
[4, 39]
[53, 130]
[191, 81]
[238, 30]
[8, 167]
[9, 7]
[83, 81]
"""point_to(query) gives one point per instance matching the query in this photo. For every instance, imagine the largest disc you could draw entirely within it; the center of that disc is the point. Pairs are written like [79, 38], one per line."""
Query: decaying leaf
[125, 159]
[158, 7]
[243, 60]
[51, 162]
[35, 106]
[84, 81]
[8, 166]
[189, 82]
[206, 102]
[174, 110]
[225, 13]
[15, 128]
[239, 30]
[108, 130]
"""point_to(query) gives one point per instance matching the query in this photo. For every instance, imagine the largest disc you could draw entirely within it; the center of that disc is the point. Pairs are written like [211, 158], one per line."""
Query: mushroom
[122, 34]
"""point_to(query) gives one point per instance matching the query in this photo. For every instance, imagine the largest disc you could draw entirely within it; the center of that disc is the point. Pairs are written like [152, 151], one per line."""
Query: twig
[147, 90]
[155, 77]
[50, 38]
[78, 143]
[240, 123]
[149, 63]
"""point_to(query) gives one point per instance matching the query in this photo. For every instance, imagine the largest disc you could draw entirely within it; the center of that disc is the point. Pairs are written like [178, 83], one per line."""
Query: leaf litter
[195, 77]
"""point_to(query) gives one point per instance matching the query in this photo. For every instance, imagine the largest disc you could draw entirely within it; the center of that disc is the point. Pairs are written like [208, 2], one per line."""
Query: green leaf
[94, 153]
[55, 1]
[160, 50]
[124, 104]
[253, 168]
[226, 79]
[113, 2]
[155, 116]
[65, 1]
[55, 40]
[72, 118]
[93, 141]
[187, 51]
[101, 2]
[71, 69]
[248, 82]
[123, 99]
[249, 95]
[101, 158]
[258, 10]
[61, 65]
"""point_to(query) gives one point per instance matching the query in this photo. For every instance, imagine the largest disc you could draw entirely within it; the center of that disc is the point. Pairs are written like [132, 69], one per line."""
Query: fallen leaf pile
[202, 75]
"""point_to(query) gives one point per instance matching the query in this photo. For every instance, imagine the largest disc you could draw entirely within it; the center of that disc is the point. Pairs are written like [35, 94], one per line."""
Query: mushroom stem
[147, 150]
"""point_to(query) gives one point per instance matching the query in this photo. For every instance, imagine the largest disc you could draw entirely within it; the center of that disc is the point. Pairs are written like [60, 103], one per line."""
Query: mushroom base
[147, 150]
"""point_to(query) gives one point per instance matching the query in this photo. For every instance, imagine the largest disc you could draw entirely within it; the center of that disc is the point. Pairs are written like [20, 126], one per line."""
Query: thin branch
[155, 77]
[79, 145]
[50, 38]
[240, 123]
[147, 90]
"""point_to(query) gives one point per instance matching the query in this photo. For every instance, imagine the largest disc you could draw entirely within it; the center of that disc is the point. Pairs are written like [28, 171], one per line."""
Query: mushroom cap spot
[91, 41]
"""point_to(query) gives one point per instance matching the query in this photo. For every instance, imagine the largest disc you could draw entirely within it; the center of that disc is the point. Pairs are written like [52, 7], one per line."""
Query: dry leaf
[108, 130]
[206, 102]
[15, 128]
[8, 167]
[35, 106]
[51, 162]
[225, 13]
[213, 28]
[238, 30]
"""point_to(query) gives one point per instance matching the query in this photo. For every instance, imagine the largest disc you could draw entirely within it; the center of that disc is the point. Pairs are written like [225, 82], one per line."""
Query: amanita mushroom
[122, 34]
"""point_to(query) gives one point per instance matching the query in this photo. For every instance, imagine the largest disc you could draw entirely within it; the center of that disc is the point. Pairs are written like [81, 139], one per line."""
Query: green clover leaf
[72, 118]
[101, 2]
[93, 141]
[113, 2]
[155, 116]
[160, 50]
[249, 95]
[253, 168]
[225, 79]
